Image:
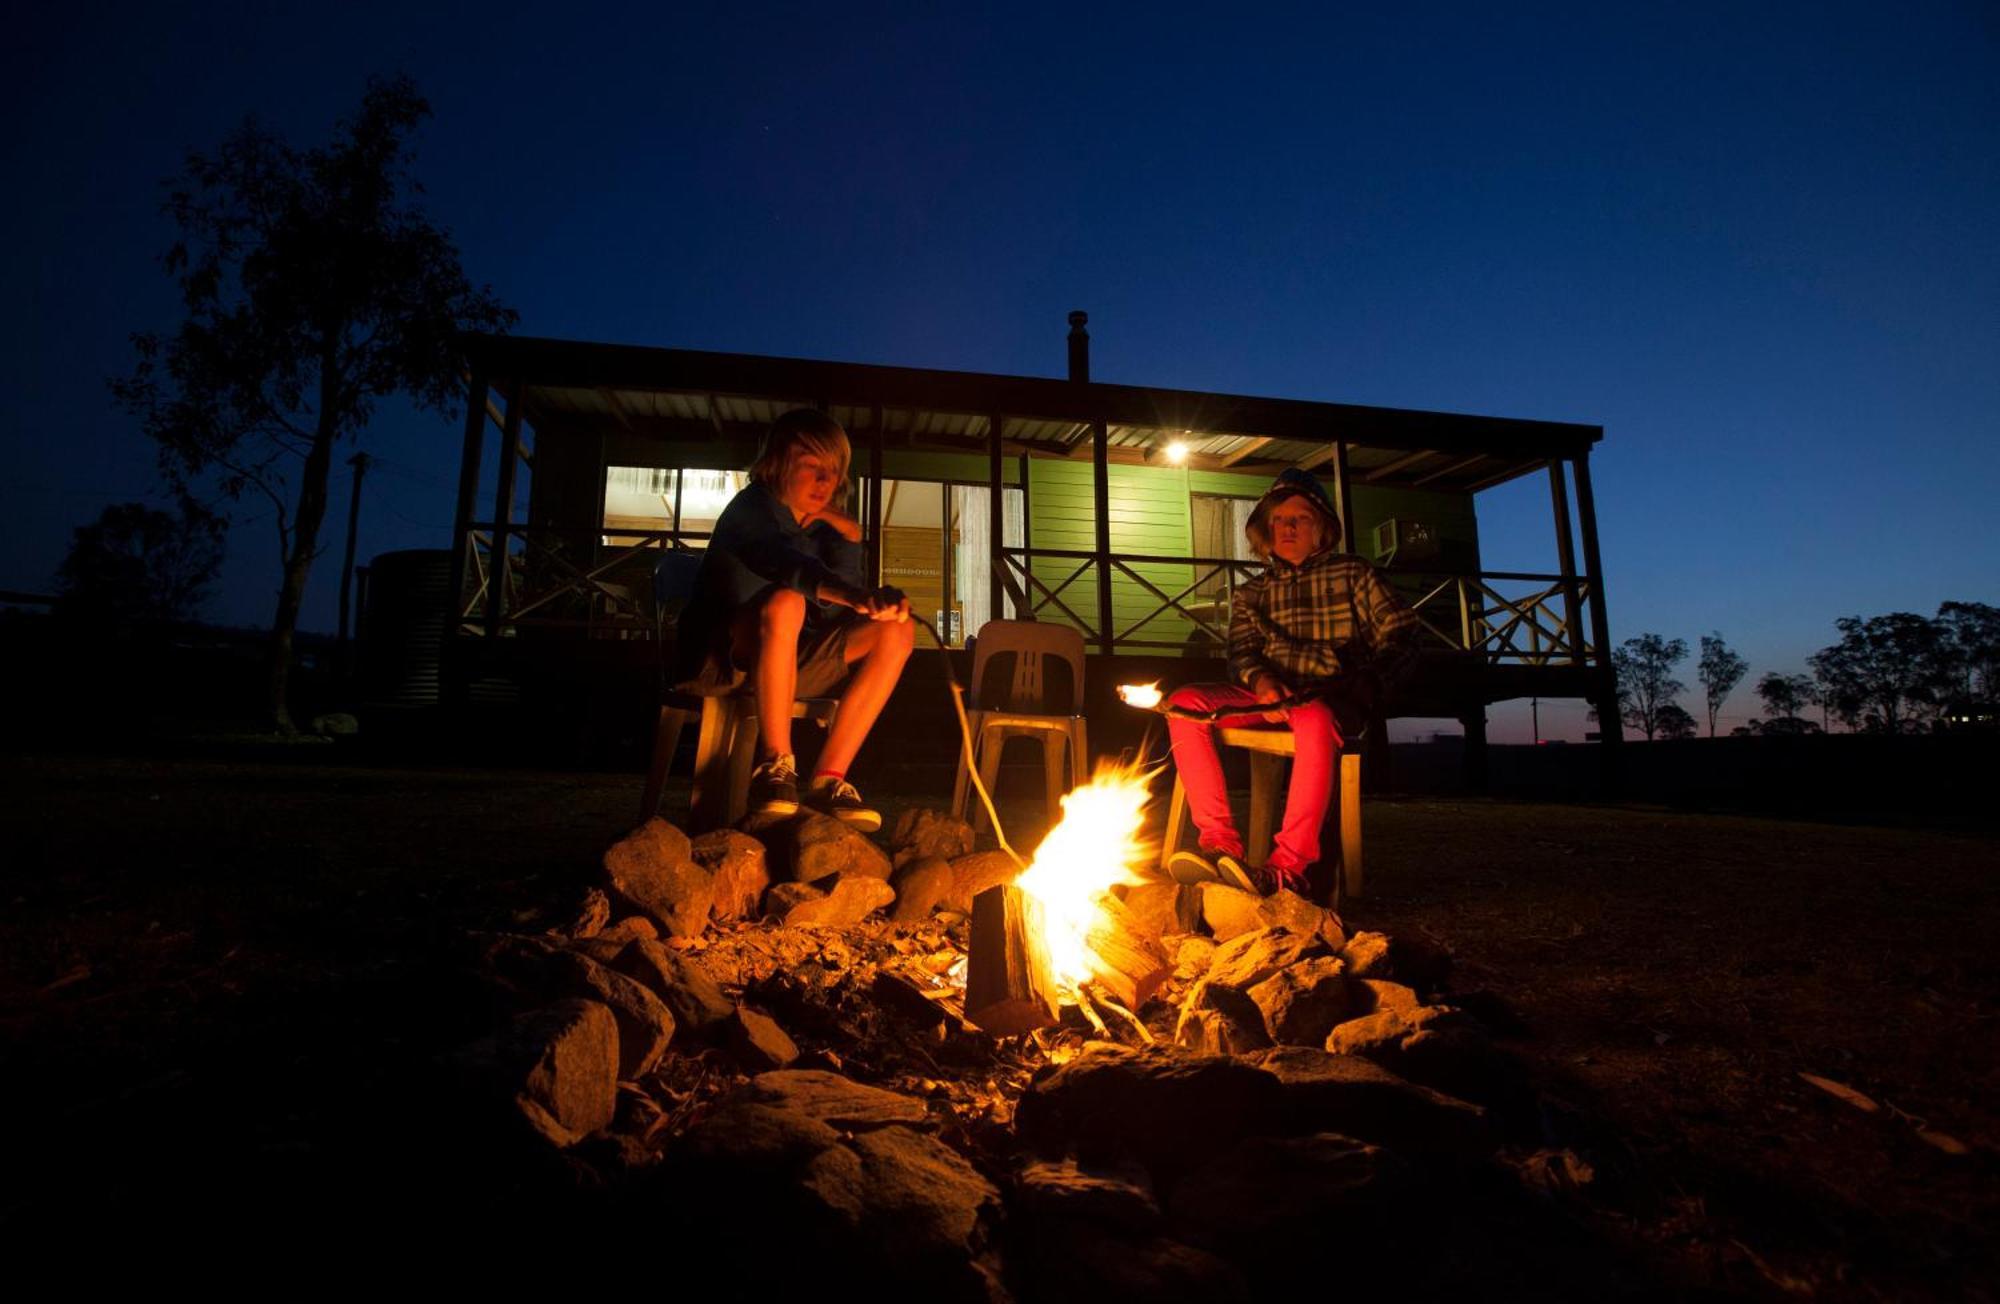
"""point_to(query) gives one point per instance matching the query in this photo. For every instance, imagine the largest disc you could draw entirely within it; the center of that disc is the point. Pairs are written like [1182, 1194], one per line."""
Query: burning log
[1127, 963]
[1010, 987]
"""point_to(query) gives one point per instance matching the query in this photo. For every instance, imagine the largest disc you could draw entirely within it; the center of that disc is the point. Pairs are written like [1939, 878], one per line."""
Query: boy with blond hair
[781, 605]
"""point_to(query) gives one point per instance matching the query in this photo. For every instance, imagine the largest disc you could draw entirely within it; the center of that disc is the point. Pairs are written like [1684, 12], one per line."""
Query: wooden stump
[1124, 961]
[1009, 986]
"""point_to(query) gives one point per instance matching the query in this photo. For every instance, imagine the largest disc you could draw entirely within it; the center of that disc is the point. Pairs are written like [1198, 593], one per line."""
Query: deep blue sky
[1762, 250]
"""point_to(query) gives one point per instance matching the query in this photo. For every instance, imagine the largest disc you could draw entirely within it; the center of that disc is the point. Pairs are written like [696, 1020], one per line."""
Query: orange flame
[1098, 843]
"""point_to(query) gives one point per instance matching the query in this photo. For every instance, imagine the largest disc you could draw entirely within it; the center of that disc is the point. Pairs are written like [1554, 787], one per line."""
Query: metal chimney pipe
[1079, 347]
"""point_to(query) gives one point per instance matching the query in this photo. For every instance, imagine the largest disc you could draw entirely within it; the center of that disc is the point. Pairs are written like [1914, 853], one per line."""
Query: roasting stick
[965, 741]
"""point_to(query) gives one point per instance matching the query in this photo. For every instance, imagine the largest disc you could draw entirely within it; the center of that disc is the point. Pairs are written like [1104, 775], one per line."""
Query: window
[936, 545]
[1219, 534]
[641, 500]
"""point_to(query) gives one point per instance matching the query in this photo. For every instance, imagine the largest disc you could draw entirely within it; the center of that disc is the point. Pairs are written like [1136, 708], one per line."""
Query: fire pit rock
[698, 1005]
[739, 866]
[1250, 958]
[1161, 1105]
[1302, 1002]
[560, 1063]
[831, 902]
[812, 847]
[1219, 1020]
[920, 883]
[973, 874]
[920, 834]
[645, 1024]
[1230, 912]
[1361, 1099]
[832, 1099]
[757, 1042]
[887, 1204]
[1399, 959]
[591, 916]
[653, 871]
[1270, 1192]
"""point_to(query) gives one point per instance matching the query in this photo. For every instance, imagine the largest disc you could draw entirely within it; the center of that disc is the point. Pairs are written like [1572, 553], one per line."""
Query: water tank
[403, 627]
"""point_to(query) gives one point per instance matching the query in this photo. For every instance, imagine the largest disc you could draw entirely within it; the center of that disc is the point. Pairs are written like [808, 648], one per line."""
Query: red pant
[1318, 747]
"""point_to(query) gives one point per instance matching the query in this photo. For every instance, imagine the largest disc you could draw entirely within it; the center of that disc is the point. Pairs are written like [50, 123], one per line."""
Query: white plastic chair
[1027, 682]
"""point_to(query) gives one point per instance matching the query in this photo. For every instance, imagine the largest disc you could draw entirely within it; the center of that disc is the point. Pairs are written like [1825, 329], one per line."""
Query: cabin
[1117, 509]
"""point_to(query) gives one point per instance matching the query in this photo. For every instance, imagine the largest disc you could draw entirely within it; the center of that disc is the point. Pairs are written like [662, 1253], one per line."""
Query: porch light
[1177, 452]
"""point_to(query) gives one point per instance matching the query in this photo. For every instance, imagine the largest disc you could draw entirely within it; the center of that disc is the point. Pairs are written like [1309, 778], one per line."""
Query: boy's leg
[881, 647]
[1200, 765]
[1316, 750]
[766, 635]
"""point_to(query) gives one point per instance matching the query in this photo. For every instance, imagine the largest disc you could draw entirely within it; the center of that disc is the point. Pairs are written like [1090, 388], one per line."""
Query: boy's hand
[1268, 689]
[879, 604]
[848, 527]
[886, 604]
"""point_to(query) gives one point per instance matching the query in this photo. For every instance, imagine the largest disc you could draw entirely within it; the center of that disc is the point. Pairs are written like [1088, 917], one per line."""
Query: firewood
[1123, 959]
[1009, 985]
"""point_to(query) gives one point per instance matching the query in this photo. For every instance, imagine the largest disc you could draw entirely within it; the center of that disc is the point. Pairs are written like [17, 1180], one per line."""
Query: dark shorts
[823, 664]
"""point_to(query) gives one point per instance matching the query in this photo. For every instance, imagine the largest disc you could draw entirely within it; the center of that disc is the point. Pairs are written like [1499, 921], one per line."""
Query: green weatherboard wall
[1151, 513]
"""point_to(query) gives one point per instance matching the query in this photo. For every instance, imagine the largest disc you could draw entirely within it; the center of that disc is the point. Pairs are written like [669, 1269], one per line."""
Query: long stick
[965, 741]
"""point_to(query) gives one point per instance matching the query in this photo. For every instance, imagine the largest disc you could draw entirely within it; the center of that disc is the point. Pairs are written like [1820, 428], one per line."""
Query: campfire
[1057, 933]
[976, 1035]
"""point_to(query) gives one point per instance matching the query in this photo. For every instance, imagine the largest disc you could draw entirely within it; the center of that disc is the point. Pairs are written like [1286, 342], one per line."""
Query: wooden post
[453, 667]
[1123, 960]
[1610, 728]
[874, 522]
[1350, 823]
[503, 512]
[1009, 986]
[1475, 759]
[1343, 499]
[1100, 460]
[1566, 560]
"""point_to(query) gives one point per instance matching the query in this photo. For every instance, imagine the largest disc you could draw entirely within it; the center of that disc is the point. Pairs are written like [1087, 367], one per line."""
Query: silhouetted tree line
[1898, 673]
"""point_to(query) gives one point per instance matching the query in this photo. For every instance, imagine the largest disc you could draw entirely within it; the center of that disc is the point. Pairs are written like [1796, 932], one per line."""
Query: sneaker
[1255, 879]
[774, 786]
[838, 798]
[1205, 866]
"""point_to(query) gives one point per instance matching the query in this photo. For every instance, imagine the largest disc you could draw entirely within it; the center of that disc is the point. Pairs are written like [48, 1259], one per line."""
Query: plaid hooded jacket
[1331, 617]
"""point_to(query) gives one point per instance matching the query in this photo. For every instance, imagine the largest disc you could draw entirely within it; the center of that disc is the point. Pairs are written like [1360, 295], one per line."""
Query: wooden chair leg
[961, 787]
[710, 799]
[1266, 793]
[1350, 823]
[1054, 745]
[1176, 822]
[992, 742]
[666, 740]
[742, 760]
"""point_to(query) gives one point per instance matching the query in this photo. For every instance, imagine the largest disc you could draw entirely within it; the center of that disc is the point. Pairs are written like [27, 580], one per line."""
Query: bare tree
[314, 286]
[1720, 670]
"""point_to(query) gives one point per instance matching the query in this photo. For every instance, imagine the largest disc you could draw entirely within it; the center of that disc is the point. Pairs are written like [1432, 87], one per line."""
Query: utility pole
[1535, 705]
[360, 463]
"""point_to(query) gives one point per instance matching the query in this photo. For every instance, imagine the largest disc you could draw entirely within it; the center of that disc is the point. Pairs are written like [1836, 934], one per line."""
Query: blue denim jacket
[757, 545]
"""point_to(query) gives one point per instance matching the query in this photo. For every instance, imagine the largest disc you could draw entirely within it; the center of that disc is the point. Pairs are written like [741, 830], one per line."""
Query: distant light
[1177, 452]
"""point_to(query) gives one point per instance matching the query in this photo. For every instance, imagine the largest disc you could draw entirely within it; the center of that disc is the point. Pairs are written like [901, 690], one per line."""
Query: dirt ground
[223, 983]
